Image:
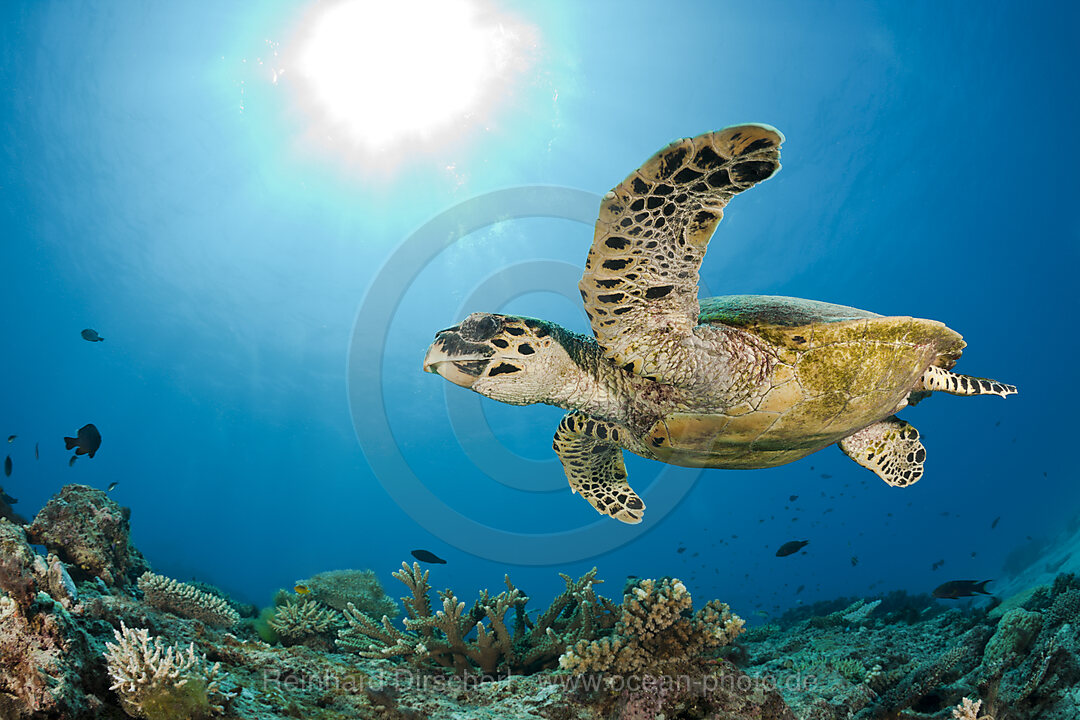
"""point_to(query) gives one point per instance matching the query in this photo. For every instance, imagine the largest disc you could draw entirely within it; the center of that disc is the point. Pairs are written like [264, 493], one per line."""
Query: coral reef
[184, 600]
[159, 682]
[1015, 632]
[306, 622]
[656, 634]
[7, 512]
[923, 664]
[969, 710]
[89, 532]
[338, 588]
[73, 651]
[441, 638]
[43, 651]
[660, 658]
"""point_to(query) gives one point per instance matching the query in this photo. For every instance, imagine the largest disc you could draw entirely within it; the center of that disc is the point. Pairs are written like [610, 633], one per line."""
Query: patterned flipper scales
[937, 379]
[890, 448]
[593, 462]
[640, 284]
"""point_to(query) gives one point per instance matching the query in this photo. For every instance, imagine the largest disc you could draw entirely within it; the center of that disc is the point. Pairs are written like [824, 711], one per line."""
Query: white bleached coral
[159, 682]
[186, 601]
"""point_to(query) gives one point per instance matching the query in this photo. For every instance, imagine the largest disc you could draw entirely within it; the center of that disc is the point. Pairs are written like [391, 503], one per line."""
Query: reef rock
[42, 648]
[89, 531]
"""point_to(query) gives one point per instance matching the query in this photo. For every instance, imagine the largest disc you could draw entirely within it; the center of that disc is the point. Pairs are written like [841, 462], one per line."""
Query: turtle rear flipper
[890, 448]
[937, 379]
[594, 465]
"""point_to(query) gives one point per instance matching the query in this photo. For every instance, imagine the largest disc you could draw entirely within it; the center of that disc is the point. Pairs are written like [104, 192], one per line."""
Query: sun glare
[382, 74]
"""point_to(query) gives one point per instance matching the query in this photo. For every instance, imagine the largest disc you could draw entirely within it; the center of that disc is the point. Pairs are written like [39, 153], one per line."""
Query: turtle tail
[937, 379]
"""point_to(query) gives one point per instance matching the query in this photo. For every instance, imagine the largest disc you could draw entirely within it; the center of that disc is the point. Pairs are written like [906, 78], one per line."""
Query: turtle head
[511, 359]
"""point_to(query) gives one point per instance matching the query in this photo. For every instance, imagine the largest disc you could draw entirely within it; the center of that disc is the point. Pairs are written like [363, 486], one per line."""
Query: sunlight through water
[382, 80]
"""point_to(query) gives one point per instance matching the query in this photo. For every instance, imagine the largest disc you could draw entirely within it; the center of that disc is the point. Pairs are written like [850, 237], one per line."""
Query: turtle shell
[835, 370]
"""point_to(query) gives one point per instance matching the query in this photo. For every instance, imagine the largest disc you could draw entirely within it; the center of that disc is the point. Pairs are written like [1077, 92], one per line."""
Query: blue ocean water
[156, 186]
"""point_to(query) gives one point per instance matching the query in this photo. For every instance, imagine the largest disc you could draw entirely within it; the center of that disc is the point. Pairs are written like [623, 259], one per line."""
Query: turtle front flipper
[937, 379]
[591, 454]
[640, 284]
[890, 448]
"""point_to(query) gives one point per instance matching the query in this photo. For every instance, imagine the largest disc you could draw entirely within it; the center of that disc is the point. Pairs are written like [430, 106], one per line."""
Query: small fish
[826, 476]
[938, 564]
[37, 454]
[87, 440]
[791, 547]
[11, 438]
[680, 550]
[91, 335]
[960, 588]
[800, 589]
[7, 466]
[7, 498]
[854, 560]
[793, 498]
[71, 462]
[428, 557]
[996, 521]
[112, 486]
[301, 589]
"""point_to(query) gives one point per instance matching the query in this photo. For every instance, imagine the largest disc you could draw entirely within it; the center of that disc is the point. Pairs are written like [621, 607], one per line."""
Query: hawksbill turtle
[743, 381]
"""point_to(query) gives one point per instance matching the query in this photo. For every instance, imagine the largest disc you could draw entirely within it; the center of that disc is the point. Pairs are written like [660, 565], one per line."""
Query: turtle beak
[455, 359]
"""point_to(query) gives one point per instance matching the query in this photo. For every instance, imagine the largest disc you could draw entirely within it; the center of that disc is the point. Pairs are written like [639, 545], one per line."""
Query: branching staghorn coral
[479, 639]
[186, 601]
[304, 618]
[656, 635]
[159, 682]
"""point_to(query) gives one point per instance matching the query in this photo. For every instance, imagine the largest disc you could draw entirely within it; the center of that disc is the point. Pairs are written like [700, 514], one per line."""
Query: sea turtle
[744, 381]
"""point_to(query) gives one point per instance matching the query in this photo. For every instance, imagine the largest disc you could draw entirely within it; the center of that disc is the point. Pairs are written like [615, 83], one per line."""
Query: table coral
[337, 588]
[186, 601]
